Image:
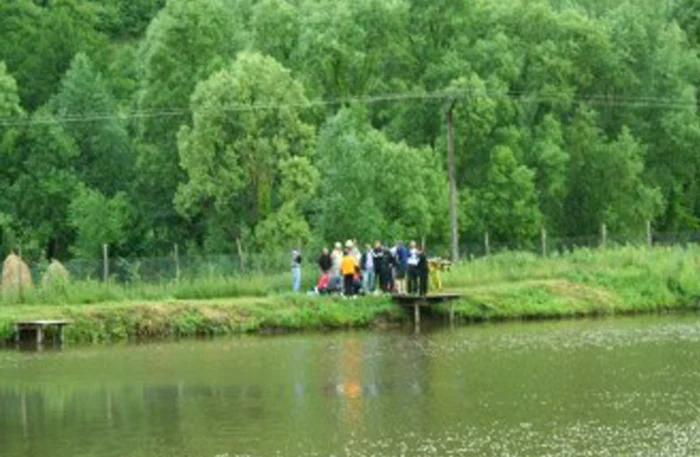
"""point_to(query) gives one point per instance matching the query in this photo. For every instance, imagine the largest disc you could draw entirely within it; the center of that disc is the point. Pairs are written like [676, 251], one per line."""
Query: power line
[593, 99]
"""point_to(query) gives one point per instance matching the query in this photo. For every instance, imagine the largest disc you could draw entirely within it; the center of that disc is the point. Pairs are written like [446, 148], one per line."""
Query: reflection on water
[613, 387]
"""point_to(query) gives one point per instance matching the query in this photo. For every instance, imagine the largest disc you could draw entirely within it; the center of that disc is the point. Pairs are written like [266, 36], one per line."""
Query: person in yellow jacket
[348, 267]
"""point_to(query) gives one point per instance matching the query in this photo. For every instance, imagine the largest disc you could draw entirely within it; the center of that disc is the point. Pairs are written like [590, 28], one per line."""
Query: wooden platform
[423, 301]
[38, 329]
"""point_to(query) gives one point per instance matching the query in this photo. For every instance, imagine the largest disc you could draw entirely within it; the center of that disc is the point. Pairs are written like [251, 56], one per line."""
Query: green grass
[584, 282]
[148, 320]
[205, 287]
[511, 285]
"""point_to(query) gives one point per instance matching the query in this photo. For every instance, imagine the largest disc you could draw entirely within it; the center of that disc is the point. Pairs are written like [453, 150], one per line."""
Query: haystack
[15, 271]
[56, 273]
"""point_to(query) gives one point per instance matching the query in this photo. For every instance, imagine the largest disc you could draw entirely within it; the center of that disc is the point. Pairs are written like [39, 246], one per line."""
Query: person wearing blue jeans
[296, 270]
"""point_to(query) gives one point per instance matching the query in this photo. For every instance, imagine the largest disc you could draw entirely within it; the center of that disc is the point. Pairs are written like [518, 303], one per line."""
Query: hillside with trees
[254, 125]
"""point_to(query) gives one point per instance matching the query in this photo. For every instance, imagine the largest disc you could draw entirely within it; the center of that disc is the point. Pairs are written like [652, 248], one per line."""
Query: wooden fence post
[603, 235]
[241, 255]
[19, 273]
[105, 263]
[649, 239]
[487, 245]
[543, 241]
[176, 254]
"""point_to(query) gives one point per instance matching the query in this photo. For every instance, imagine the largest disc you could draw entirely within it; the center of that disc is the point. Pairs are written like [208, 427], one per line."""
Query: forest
[231, 126]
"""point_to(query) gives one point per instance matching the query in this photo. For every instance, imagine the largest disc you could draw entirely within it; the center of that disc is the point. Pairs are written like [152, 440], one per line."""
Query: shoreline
[117, 322]
[504, 287]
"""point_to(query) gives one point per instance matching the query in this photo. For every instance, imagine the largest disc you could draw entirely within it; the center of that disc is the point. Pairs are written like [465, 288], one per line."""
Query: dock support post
[452, 315]
[23, 413]
[39, 335]
[17, 334]
[416, 316]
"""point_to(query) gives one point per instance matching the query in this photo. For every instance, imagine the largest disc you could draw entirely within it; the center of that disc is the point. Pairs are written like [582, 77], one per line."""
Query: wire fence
[176, 267]
[545, 245]
[165, 269]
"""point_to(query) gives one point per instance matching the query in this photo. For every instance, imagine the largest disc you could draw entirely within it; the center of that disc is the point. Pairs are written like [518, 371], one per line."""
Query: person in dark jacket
[382, 266]
[401, 260]
[413, 276]
[324, 262]
[423, 271]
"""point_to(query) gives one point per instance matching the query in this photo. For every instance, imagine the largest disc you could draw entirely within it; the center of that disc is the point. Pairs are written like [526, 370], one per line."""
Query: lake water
[586, 388]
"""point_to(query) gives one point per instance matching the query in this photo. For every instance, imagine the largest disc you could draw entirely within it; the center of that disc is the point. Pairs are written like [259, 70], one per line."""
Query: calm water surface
[600, 388]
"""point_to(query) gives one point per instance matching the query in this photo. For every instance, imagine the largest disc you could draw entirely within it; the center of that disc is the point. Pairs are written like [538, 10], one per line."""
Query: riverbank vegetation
[510, 285]
[186, 318]
[582, 282]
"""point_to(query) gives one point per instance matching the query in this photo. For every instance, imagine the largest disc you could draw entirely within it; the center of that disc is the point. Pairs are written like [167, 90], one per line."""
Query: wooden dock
[424, 301]
[38, 330]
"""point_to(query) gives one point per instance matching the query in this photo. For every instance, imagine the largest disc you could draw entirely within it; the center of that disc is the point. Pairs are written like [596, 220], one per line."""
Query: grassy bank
[504, 286]
[182, 318]
[584, 282]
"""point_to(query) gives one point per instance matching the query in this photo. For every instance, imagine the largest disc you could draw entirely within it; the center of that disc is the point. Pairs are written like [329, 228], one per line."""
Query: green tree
[506, 205]
[91, 114]
[351, 48]
[10, 114]
[184, 44]
[44, 185]
[548, 159]
[247, 119]
[607, 181]
[44, 39]
[275, 28]
[372, 188]
[125, 19]
[98, 220]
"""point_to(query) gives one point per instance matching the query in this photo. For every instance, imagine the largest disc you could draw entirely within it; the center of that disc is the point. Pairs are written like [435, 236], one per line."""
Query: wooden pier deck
[424, 301]
[37, 329]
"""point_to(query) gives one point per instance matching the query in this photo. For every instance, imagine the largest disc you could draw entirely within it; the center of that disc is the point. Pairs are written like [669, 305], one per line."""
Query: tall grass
[584, 281]
[205, 287]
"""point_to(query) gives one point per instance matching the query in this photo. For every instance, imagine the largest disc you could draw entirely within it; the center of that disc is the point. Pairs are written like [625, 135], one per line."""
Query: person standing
[381, 266]
[368, 271]
[336, 259]
[413, 259]
[355, 251]
[348, 268]
[324, 262]
[423, 270]
[402, 255]
[296, 270]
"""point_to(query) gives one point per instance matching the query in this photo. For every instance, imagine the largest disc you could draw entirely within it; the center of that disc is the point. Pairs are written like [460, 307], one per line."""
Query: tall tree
[185, 43]
[91, 117]
[247, 121]
[44, 186]
[505, 206]
[372, 188]
[44, 39]
[10, 115]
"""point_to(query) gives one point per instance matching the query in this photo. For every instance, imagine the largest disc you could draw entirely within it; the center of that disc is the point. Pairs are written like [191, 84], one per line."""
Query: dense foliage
[254, 125]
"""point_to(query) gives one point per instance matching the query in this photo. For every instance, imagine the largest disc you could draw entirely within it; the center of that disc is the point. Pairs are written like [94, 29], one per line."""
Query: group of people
[350, 271]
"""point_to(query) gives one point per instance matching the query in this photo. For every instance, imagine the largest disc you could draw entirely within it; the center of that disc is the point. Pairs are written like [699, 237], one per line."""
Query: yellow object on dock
[436, 266]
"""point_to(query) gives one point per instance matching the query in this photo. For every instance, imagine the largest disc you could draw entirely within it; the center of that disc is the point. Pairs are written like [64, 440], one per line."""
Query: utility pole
[454, 234]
